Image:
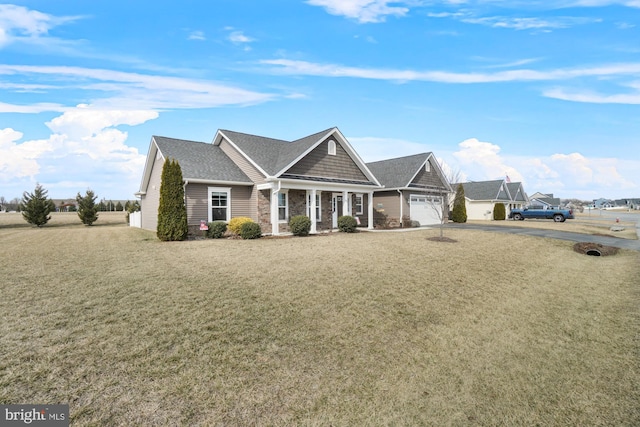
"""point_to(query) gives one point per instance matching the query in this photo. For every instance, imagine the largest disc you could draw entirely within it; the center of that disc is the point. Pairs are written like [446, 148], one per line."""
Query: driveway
[553, 234]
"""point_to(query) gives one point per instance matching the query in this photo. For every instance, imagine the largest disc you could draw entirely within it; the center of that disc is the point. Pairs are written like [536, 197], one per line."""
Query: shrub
[172, 213]
[235, 225]
[300, 225]
[347, 224]
[216, 229]
[499, 212]
[459, 212]
[250, 230]
[36, 206]
[87, 207]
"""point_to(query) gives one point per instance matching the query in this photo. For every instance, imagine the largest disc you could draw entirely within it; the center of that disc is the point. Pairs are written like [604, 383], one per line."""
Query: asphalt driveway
[553, 234]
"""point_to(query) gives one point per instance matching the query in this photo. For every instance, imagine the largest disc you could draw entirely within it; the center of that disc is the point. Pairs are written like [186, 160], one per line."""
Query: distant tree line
[36, 206]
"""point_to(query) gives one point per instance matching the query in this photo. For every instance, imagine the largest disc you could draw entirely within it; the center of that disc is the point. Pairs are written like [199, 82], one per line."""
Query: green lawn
[361, 329]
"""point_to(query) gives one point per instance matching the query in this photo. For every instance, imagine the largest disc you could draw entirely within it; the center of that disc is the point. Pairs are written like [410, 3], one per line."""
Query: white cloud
[363, 11]
[304, 68]
[591, 97]
[134, 91]
[19, 160]
[239, 37]
[85, 142]
[20, 23]
[481, 161]
[530, 23]
[197, 35]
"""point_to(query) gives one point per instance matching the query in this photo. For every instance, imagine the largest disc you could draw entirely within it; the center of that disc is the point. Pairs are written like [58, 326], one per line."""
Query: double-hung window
[283, 206]
[219, 204]
[359, 204]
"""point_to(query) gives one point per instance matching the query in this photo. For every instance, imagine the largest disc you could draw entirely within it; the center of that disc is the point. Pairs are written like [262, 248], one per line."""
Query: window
[427, 167]
[359, 209]
[318, 207]
[219, 204]
[332, 147]
[283, 206]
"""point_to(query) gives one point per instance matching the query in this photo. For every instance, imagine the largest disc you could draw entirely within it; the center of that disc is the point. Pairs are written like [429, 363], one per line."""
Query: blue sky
[546, 92]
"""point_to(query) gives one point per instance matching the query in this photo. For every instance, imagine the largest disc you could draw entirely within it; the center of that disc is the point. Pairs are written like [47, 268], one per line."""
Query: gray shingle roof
[484, 190]
[516, 191]
[398, 172]
[200, 160]
[272, 155]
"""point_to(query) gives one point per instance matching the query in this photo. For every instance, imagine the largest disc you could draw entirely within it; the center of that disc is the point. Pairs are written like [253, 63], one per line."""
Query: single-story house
[268, 180]
[415, 191]
[545, 200]
[481, 197]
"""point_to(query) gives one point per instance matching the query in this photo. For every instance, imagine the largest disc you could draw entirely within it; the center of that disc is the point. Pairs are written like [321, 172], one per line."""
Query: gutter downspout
[401, 208]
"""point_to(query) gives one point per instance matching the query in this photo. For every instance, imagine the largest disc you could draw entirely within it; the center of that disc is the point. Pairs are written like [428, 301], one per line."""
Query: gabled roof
[199, 161]
[399, 172]
[486, 190]
[517, 192]
[271, 155]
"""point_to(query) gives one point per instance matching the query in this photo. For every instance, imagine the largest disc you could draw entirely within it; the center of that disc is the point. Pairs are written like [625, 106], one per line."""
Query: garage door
[426, 209]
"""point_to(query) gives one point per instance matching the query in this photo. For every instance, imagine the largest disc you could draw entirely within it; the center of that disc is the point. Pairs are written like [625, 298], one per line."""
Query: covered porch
[322, 202]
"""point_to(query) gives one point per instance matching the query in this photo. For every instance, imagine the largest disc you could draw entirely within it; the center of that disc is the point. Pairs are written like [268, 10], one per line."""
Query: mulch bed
[442, 239]
[585, 247]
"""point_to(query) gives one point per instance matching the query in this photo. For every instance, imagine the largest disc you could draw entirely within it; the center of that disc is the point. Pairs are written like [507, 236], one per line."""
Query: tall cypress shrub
[459, 212]
[172, 212]
[499, 212]
[36, 206]
[87, 207]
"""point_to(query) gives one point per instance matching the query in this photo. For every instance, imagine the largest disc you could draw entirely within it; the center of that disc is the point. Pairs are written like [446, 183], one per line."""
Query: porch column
[370, 209]
[275, 229]
[345, 203]
[312, 212]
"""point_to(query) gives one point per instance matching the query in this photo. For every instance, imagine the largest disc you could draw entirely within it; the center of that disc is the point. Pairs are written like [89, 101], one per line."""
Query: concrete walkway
[553, 234]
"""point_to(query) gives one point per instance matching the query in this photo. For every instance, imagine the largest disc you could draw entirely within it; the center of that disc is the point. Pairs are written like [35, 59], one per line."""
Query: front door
[336, 208]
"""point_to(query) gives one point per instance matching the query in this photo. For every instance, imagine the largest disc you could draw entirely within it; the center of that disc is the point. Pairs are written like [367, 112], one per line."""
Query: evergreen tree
[499, 212]
[36, 207]
[119, 207]
[172, 213]
[87, 207]
[459, 212]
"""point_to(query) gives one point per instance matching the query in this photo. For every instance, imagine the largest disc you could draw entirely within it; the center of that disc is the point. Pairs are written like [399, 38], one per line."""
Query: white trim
[317, 204]
[284, 192]
[218, 138]
[209, 205]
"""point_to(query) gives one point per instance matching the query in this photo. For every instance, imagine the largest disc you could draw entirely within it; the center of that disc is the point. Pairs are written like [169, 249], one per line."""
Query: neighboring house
[544, 200]
[519, 198]
[603, 203]
[415, 189]
[481, 196]
[265, 179]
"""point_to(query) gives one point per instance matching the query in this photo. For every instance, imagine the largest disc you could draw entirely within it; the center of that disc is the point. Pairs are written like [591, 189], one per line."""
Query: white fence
[135, 219]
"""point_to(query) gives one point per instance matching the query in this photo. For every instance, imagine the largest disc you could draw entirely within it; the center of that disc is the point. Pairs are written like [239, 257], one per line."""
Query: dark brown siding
[319, 163]
[430, 178]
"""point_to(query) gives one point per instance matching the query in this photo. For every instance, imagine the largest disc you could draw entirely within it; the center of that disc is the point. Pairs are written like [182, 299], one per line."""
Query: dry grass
[363, 329]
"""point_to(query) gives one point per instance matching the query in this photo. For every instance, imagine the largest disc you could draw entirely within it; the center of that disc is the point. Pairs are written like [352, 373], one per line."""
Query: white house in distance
[481, 197]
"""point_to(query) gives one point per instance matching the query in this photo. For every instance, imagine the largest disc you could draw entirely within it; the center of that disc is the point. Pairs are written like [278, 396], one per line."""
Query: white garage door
[425, 209]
